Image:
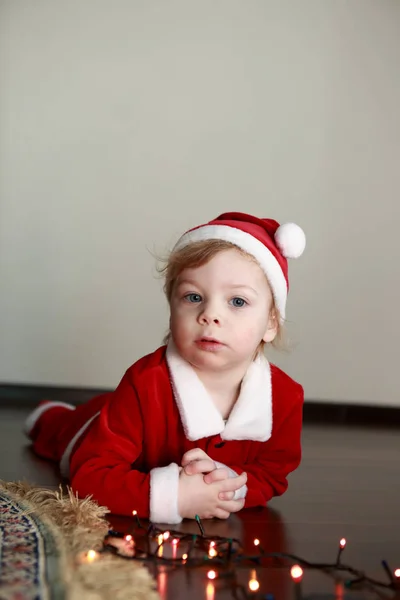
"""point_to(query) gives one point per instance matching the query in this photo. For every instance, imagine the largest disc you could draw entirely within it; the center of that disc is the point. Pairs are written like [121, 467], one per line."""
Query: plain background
[124, 123]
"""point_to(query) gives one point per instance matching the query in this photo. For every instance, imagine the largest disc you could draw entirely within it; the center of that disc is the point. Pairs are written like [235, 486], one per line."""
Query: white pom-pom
[291, 240]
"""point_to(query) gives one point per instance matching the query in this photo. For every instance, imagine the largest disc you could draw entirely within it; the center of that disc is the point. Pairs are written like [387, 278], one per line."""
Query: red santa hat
[270, 243]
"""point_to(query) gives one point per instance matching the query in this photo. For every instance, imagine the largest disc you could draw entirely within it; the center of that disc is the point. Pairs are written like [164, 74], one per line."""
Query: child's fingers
[220, 513]
[231, 506]
[200, 466]
[194, 454]
[226, 495]
[216, 475]
[233, 483]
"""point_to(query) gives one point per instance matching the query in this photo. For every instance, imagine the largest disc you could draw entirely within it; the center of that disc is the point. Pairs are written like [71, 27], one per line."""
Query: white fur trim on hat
[291, 240]
[252, 246]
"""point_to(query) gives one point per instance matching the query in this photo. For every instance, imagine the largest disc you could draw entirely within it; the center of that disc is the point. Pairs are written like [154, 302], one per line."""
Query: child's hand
[196, 497]
[197, 461]
[219, 474]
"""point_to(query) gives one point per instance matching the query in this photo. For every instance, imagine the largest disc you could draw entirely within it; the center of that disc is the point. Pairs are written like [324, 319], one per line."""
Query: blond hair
[198, 254]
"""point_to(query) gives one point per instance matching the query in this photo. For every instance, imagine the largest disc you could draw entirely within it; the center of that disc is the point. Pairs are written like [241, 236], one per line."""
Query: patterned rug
[44, 538]
[30, 559]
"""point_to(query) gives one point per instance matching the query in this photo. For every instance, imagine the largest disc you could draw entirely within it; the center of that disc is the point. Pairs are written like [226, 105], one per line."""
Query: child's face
[220, 312]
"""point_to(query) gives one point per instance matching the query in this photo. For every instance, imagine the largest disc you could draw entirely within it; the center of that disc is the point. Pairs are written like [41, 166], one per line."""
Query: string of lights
[224, 557]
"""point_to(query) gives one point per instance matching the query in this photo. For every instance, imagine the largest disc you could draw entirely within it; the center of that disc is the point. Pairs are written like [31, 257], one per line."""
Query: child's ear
[272, 328]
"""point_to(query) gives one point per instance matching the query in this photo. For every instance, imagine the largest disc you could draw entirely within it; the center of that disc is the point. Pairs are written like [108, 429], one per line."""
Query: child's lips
[207, 343]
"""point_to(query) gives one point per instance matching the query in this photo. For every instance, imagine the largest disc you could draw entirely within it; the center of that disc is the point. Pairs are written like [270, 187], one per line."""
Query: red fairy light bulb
[134, 512]
[297, 573]
[212, 575]
[212, 544]
[342, 543]
[175, 542]
[256, 542]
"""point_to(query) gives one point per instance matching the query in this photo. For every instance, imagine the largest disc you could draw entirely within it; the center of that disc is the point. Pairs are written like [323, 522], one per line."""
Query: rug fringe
[81, 526]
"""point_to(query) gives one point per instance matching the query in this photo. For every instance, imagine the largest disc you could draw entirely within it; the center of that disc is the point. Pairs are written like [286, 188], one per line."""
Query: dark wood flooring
[348, 485]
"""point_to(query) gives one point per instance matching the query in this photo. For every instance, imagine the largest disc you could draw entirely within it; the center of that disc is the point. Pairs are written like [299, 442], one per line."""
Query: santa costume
[125, 448]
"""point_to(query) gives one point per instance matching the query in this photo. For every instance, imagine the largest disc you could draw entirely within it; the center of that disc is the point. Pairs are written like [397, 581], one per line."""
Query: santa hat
[270, 243]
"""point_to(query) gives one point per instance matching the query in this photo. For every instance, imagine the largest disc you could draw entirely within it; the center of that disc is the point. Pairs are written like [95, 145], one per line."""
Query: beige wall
[123, 123]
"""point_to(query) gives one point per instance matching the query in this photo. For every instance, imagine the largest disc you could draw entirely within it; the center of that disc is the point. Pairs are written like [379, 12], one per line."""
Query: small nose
[209, 315]
[205, 319]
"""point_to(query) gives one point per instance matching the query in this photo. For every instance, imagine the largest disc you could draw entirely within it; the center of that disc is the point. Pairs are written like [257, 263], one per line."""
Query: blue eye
[194, 298]
[238, 302]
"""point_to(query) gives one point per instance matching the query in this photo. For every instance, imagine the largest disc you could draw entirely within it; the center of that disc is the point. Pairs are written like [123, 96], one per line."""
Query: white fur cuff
[164, 484]
[241, 492]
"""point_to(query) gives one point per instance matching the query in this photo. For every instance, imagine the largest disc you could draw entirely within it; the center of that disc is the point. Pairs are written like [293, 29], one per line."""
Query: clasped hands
[206, 490]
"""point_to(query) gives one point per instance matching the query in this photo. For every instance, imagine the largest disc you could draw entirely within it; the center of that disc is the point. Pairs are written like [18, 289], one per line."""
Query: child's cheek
[248, 336]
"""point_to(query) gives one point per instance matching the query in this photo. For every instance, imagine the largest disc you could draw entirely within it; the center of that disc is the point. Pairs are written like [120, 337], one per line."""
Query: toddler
[204, 425]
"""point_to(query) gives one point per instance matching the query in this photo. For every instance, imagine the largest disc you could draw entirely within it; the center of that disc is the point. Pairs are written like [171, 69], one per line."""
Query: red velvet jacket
[129, 456]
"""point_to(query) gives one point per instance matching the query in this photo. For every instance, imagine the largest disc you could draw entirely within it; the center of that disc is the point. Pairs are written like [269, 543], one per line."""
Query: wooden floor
[348, 485]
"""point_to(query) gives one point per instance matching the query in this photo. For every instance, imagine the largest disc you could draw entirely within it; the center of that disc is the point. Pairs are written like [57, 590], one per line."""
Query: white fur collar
[251, 417]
